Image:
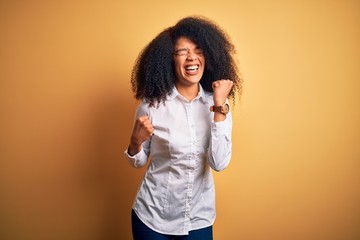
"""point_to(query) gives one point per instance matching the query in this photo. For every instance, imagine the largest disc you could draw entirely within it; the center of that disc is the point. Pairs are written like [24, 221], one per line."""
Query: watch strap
[215, 108]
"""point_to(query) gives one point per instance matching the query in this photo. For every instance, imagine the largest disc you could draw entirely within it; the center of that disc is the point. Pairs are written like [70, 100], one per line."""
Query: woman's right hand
[143, 130]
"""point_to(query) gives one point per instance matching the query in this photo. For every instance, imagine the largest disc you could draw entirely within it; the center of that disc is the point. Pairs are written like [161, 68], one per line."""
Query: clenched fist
[221, 89]
[143, 130]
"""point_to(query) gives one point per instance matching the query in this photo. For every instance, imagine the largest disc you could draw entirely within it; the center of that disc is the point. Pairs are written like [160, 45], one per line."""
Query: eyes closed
[185, 51]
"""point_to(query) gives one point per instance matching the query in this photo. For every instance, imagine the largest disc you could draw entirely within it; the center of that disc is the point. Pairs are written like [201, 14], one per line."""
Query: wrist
[219, 101]
[219, 117]
[135, 140]
[222, 108]
[133, 149]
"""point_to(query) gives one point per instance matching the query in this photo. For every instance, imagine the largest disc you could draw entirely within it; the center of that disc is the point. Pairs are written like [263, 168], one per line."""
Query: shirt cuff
[136, 156]
[137, 160]
[218, 128]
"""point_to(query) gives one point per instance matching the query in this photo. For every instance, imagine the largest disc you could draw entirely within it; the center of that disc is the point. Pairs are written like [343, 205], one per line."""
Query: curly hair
[153, 76]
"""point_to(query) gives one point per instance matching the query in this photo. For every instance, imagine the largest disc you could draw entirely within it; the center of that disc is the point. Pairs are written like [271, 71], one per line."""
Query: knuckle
[143, 117]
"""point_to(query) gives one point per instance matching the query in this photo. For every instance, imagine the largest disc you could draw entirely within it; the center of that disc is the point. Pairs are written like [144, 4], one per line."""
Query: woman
[183, 125]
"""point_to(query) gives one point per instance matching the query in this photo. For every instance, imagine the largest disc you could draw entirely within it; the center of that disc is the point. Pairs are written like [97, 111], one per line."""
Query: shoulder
[145, 108]
[208, 97]
[142, 109]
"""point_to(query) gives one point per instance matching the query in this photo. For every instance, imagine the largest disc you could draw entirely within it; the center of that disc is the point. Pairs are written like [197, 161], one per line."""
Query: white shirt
[177, 194]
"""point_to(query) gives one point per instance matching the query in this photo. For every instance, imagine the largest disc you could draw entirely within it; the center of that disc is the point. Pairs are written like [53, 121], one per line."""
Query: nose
[191, 56]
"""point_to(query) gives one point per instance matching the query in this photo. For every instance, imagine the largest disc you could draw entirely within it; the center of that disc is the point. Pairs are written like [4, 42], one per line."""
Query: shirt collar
[201, 94]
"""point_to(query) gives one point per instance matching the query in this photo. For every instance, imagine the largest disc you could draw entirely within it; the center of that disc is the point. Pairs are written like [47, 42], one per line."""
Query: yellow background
[66, 112]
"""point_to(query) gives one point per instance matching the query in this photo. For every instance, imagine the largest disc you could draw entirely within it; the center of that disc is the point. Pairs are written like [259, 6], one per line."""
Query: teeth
[193, 67]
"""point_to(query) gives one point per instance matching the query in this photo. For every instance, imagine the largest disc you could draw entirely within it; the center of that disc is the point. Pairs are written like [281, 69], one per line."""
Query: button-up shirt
[177, 193]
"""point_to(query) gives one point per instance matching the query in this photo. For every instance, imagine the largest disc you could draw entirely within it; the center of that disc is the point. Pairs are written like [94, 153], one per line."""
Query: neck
[189, 92]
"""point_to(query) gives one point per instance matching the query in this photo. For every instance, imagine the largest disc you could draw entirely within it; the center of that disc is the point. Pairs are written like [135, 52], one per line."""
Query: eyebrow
[181, 49]
[186, 49]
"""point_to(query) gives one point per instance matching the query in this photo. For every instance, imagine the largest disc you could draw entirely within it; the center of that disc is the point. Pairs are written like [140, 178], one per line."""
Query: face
[189, 62]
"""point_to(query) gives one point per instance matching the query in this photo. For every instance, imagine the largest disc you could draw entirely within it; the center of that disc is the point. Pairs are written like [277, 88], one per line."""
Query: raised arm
[219, 153]
[139, 147]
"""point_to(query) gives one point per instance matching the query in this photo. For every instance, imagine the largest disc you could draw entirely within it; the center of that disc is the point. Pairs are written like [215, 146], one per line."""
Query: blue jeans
[142, 232]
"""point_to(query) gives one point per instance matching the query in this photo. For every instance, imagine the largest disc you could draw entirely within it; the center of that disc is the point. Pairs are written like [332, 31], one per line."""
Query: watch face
[225, 108]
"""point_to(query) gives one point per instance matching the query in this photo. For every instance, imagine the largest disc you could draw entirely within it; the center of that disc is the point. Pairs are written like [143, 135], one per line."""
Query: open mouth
[192, 68]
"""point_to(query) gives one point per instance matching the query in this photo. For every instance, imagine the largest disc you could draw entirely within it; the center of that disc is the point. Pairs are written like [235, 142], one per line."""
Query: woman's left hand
[221, 89]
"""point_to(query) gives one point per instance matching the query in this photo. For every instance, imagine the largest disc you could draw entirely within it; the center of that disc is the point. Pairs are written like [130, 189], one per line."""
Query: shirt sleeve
[139, 159]
[219, 153]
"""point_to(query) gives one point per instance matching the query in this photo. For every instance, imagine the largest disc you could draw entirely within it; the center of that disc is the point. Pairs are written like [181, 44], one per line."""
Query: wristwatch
[224, 109]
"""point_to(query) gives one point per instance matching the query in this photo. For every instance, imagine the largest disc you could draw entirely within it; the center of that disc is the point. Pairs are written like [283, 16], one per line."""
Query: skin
[186, 54]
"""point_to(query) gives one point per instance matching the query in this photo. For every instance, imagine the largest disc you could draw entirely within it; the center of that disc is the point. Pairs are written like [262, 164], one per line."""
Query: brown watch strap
[215, 108]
